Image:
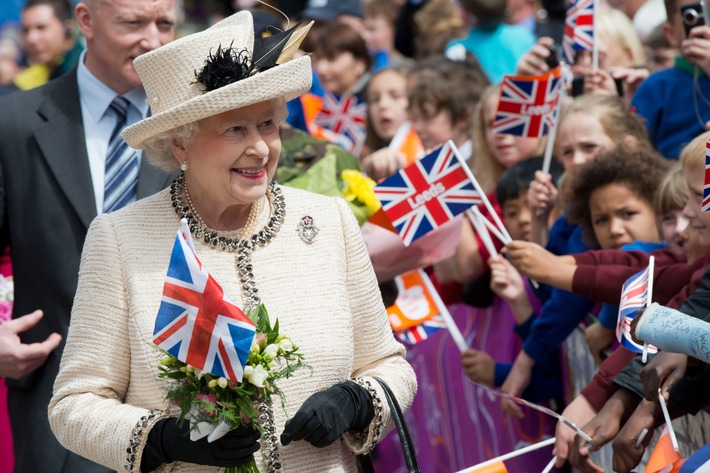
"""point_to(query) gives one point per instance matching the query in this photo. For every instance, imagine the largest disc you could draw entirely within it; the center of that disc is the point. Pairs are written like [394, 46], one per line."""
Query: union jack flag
[579, 28]
[343, 121]
[706, 188]
[634, 296]
[427, 193]
[527, 105]
[197, 322]
[422, 331]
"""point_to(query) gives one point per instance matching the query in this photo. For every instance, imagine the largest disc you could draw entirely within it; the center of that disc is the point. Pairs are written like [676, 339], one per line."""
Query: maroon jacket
[600, 275]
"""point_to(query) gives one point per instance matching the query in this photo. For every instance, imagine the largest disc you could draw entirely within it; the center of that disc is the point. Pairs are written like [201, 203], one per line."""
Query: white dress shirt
[98, 125]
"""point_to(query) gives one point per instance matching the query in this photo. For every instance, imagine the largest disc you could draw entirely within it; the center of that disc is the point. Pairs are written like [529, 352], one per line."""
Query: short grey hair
[158, 149]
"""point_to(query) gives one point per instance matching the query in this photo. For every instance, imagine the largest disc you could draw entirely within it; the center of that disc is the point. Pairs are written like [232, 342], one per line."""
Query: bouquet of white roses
[215, 405]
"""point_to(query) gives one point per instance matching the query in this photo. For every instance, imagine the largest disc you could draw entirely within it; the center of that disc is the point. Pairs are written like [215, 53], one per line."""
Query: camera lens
[690, 17]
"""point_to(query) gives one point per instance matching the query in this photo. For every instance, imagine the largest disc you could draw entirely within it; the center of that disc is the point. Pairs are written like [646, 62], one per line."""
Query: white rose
[222, 382]
[286, 345]
[258, 377]
[248, 371]
[271, 351]
[198, 373]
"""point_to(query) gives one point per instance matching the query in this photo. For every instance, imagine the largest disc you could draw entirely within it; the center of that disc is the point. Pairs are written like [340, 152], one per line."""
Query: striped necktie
[122, 164]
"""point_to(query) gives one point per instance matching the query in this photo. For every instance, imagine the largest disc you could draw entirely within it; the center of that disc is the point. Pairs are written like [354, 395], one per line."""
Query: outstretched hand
[18, 359]
[517, 381]
[664, 371]
[579, 412]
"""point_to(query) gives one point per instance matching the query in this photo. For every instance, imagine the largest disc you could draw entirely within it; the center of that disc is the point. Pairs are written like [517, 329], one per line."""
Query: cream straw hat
[176, 98]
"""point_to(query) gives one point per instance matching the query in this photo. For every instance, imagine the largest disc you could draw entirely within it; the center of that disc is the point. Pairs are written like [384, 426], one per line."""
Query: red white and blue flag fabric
[342, 120]
[422, 331]
[197, 322]
[634, 296]
[706, 187]
[427, 193]
[579, 29]
[527, 105]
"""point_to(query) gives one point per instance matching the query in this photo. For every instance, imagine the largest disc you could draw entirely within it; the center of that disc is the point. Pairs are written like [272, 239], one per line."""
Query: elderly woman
[307, 258]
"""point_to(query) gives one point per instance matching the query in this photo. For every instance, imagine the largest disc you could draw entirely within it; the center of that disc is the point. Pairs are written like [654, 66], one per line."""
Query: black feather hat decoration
[224, 67]
[229, 65]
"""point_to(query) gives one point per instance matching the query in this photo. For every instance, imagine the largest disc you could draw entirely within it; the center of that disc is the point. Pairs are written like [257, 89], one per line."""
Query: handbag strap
[410, 455]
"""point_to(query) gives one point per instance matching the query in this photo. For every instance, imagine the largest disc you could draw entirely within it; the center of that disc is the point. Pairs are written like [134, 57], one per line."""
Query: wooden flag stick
[450, 324]
[649, 301]
[508, 456]
[484, 198]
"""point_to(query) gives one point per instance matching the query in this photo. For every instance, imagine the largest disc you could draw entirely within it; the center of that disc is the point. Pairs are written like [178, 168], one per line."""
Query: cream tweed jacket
[325, 296]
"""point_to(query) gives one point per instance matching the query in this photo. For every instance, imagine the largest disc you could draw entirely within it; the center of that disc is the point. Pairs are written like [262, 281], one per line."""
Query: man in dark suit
[55, 145]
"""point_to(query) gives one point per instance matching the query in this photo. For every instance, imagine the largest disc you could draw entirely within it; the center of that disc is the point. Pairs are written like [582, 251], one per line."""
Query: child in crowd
[673, 102]
[379, 28]
[342, 64]
[591, 124]
[492, 154]
[386, 99]
[660, 54]
[600, 275]
[497, 45]
[509, 286]
[442, 98]
[671, 197]
[495, 152]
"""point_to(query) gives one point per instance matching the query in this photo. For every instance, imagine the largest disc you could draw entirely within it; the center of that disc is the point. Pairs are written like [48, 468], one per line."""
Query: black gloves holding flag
[326, 415]
[169, 442]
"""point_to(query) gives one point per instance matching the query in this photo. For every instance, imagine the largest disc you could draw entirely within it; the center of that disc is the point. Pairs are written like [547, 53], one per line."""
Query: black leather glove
[169, 442]
[326, 415]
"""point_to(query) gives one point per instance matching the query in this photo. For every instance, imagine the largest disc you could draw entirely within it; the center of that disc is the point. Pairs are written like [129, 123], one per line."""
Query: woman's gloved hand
[169, 442]
[326, 415]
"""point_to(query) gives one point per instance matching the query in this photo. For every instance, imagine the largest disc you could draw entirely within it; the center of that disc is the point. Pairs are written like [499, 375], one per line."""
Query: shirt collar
[97, 96]
[682, 64]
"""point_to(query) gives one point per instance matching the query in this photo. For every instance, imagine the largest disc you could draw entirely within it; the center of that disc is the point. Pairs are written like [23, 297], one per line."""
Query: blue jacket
[667, 102]
[562, 310]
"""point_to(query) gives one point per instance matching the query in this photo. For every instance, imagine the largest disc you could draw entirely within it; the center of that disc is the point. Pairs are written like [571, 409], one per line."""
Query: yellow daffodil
[358, 186]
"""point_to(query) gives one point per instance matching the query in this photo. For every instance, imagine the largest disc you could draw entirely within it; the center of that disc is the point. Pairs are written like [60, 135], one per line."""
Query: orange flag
[664, 458]
[414, 304]
[411, 147]
[498, 467]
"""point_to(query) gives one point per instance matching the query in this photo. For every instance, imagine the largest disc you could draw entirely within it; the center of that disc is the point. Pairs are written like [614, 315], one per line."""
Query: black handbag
[364, 462]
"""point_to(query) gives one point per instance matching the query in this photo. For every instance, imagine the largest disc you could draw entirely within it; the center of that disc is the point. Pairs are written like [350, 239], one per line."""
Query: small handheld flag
[414, 304]
[343, 121]
[527, 105]
[635, 294]
[664, 458]
[427, 193]
[706, 187]
[496, 465]
[415, 315]
[197, 322]
[407, 142]
[579, 28]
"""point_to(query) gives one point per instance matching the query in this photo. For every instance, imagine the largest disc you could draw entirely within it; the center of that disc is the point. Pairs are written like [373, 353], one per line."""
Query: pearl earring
[183, 166]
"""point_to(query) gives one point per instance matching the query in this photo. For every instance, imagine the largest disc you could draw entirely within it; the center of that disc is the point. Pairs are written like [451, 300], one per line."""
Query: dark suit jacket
[46, 205]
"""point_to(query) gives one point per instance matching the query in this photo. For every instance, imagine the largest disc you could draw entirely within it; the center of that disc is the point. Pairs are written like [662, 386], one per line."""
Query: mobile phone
[553, 60]
[693, 15]
[578, 86]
